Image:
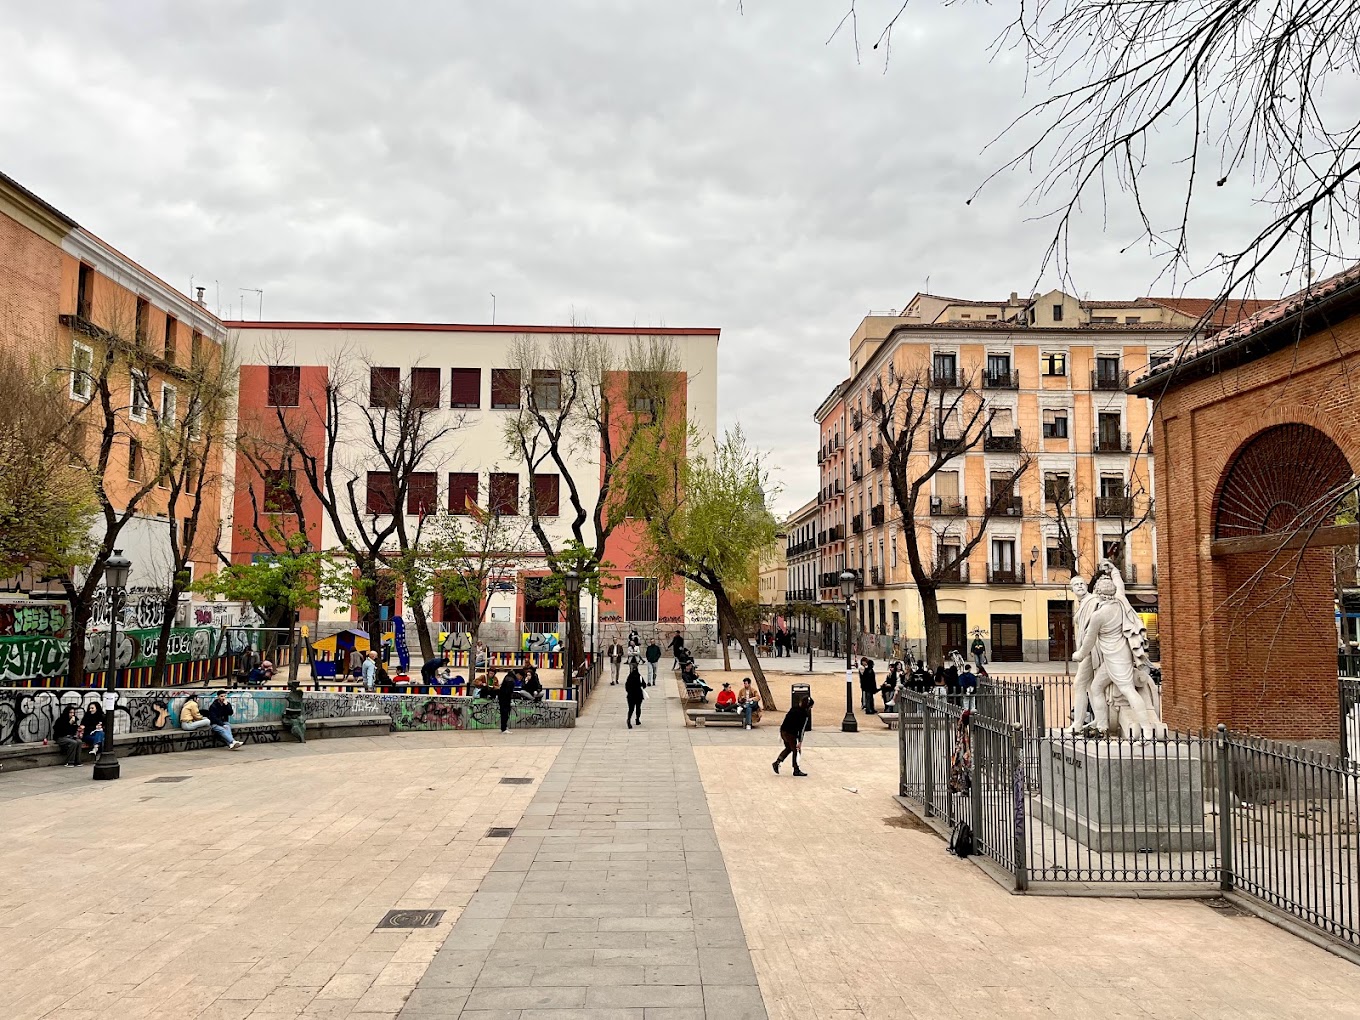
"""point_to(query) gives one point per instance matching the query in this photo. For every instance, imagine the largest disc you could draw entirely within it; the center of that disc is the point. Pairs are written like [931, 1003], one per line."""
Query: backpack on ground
[961, 840]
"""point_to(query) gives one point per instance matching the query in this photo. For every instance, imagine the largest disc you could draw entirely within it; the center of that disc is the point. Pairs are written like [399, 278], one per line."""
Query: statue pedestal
[1124, 796]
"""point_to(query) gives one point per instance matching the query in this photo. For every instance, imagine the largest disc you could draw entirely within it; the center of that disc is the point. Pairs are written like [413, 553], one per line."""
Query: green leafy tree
[709, 522]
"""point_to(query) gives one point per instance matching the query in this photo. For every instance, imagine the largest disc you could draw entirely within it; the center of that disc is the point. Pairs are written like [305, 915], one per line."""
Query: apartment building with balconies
[1050, 373]
[833, 430]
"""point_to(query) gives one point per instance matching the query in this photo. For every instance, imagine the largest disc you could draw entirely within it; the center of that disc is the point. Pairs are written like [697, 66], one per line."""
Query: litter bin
[798, 693]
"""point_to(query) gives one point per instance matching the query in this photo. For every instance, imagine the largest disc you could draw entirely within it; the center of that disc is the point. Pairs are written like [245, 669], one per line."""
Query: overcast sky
[626, 161]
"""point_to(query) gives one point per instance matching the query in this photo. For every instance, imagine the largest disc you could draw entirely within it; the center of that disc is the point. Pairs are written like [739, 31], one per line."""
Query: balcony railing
[1004, 380]
[1006, 506]
[948, 506]
[857, 421]
[941, 443]
[875, 577]
[798, 548]
[1103, 379]
[1006, 575]
[876, 457]
[1057, 494]
[856, 472]
[857, 523]
[943, 379]
[1003, 442]
[955, 574]
[876, 515]
[1114, 506]
[800, 595]
[876, 401]
[835, 534]
[1111, 442]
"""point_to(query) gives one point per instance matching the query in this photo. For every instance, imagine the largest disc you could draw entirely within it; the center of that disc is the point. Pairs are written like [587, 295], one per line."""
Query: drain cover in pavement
[516, 780]
[410, 918]
[498, 832]
[168, 779]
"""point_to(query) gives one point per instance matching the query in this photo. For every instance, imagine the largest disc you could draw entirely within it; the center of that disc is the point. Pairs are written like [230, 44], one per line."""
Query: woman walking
[633, 687]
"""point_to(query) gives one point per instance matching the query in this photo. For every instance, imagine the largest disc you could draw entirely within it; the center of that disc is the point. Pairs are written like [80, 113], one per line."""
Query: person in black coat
[633, 688]
[92, 728]
[868, 684]
[505, 694]
[791, 732]
[64, 732]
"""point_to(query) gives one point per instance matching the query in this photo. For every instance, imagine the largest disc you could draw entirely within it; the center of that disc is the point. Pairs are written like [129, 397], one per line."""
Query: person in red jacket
[727, 699]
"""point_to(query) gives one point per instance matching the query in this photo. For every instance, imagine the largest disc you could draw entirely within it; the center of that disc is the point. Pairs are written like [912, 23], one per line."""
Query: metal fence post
[975, 780]
[927, 756]
[1341, 710]
[1041, 722]
[1225, 825]
[1017, 764]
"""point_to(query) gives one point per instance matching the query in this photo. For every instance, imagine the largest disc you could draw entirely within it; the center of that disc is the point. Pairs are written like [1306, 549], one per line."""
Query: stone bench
[134, 745]
[889, 719]
[700, 717]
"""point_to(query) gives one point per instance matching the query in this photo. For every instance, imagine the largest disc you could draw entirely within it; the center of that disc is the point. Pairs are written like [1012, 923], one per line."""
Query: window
[465, 387]
[1054, 363]
[644, 392]
[1003, 555]
[143, 324]
[384, 387]
[1107, 371]
[991, 316]
[1057, 313]
[1002, 487]
[943, 365]
[196, 349]
[278, 492]
[141, 399]
[947, 484]
[546, 494]
[1055, 424]
[171, 339]
[462, 492]
[505, 388]
[999, 366]
[1111, 486]
[639, 599]
[284, 385]
[1133, 320]
[1055, 556]
[1057, 487]
[504, 495]
[381, 496]
[85, 292]
[422, 493]
[1160, 360]
[169, 402]
[194, 416]
[425, 387]
[547, 389]
[136, 461]
[1108, 434]
[1103, 320]
[1002, 422]
[82, 365]
[1112, 549]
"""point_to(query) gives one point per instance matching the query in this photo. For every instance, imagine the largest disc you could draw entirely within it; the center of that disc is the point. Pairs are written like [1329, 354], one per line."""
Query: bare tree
[925, 425]
[584, 392]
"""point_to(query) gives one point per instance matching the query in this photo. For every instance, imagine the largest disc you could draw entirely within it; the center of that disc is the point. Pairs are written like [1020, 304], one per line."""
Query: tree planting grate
[1226, 907]
[499, 832]
[168, 779]
[516, 781]
[410, 918]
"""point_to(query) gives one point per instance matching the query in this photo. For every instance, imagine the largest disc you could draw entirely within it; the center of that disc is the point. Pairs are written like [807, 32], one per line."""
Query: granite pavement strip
[611, 899]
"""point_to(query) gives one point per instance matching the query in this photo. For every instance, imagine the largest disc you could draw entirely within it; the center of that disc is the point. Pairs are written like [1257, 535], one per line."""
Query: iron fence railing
[1269, 821]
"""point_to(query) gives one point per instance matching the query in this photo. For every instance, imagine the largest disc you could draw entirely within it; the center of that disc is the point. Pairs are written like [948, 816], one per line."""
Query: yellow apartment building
[1050, 373]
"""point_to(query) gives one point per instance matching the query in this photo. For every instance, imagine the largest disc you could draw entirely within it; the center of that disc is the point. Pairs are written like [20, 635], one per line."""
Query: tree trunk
[161, 666]
[725, 611]
[930, 607]
[422, 629]
[575, 639]
[293, 656]
[722, 640]
[80, 625]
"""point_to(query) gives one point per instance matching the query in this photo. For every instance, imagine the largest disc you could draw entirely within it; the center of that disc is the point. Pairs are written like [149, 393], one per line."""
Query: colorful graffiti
[27, 657]
[545, 642]
[34, 619]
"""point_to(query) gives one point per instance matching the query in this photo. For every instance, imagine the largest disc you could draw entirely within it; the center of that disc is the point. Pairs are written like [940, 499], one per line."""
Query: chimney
[199, 296]
[1015, 298]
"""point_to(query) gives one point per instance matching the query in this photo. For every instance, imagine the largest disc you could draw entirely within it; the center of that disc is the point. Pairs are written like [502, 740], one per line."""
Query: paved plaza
[661, 872]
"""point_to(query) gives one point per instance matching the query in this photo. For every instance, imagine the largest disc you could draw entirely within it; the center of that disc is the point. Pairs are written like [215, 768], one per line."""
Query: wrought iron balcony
[949, 506]
[1111, 442]
[1104, 379]
[857, 523]
[857, 421]
[1006, 506]
[957, 573]
[876, 401]
[1114, 506]
[941, 380]
[1006, 380]
[940, 443]
[1006, 575]
[856, 472]
[1004, 442]
[800, 595]
[875, 577]
[876, 456]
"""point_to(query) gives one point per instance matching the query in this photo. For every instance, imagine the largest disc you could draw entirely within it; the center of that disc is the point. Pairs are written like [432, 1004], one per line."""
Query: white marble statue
[1081, 684]
[1113, 641]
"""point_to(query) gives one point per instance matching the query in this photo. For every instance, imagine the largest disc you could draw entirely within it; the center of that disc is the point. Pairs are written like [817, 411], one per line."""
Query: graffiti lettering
[34, 619]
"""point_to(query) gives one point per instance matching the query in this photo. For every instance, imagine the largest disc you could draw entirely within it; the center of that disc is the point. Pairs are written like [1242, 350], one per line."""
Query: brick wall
[1248, 642]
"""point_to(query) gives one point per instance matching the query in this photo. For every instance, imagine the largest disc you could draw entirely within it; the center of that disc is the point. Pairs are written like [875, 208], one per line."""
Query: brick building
[1258, 429]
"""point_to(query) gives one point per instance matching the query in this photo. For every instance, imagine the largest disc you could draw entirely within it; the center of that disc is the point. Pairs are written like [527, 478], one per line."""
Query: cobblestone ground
[659, 873]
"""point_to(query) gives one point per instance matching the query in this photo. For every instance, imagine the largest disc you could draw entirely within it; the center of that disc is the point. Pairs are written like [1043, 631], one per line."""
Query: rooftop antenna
[253, 290]
[493, 309]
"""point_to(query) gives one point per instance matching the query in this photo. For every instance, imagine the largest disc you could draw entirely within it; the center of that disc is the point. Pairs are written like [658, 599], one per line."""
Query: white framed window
[169, 405]
[140, 400]
[82, 366]
[193, 416]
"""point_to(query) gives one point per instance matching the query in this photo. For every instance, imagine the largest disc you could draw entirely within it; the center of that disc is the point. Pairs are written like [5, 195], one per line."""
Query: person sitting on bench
[689, 673]
[748, 700]
[727, 699]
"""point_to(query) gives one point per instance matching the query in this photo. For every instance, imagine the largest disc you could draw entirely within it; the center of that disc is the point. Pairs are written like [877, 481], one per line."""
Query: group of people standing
[636, 657]
[953, 678]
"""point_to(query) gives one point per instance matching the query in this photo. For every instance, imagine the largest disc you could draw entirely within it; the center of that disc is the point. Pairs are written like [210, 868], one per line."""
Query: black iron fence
[1273, 822]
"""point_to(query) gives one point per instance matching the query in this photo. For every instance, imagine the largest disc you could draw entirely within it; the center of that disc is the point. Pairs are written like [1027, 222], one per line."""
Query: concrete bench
[134, 745]
[701, 717]
[889, 719]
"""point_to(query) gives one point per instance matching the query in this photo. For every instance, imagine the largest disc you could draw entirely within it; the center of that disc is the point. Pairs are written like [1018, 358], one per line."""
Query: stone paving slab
[621, 905]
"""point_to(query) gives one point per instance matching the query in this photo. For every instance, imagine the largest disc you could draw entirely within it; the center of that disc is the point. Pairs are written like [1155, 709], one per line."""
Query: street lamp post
[571, 583]
[848, 724]
[116, 570]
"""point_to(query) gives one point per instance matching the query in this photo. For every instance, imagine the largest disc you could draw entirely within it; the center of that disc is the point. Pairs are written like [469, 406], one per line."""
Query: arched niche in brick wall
[1284, 478]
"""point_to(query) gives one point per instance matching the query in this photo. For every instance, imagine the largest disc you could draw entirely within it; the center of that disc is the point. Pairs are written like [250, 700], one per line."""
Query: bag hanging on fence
[961, 840]
[961, 762]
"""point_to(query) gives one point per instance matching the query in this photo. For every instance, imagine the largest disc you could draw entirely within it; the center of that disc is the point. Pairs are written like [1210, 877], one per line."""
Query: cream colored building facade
[1050, 372]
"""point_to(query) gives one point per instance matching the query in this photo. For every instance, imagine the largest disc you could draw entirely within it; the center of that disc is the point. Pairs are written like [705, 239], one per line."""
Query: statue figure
[293, 719]
[1081, 684]
[1113, 641]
